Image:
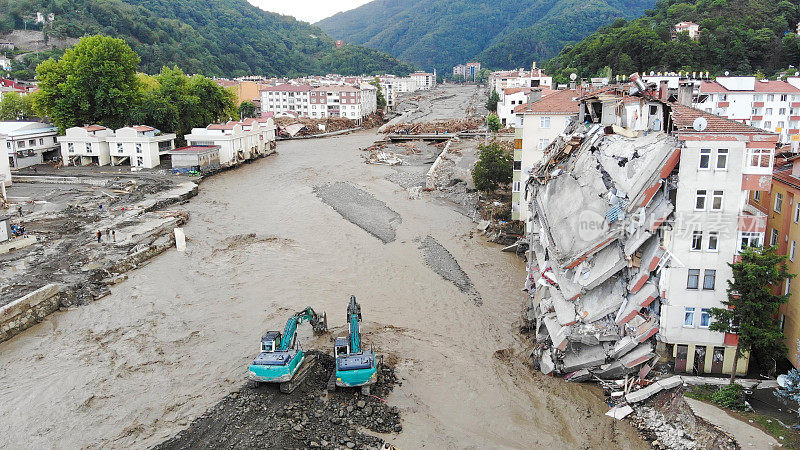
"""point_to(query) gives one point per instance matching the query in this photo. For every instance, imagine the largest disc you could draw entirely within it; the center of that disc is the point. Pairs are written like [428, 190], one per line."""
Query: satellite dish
[727, 73]
[652, 73]
[796, 73]
[700, 124]
[573, 76]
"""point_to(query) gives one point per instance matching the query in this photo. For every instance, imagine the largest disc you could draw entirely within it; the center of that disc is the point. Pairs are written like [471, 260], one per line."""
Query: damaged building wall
[634, 215]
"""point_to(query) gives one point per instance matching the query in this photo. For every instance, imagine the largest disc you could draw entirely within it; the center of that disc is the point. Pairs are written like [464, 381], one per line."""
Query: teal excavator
[281, 360]
[355, 367]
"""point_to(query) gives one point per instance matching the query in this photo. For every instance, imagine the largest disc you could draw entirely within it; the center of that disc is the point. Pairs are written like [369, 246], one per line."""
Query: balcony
[752, 219]
[794, 118]
[795, 104]
[723, 104]
[754, 118]
[758, 104]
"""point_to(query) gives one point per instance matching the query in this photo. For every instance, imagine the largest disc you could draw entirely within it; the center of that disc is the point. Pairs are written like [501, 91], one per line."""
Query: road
[134, 368]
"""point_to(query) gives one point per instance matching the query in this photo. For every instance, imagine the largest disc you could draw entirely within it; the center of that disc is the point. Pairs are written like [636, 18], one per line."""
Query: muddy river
[134, 368]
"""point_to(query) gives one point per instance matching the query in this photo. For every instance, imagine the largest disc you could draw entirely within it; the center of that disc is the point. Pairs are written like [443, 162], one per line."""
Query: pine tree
[751, 306]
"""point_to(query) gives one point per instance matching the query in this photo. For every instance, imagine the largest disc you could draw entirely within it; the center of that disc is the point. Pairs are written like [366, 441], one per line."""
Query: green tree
[751, 306]
[493, 123]
[458, 78]
[15, 106]
[491, 104]
[495, 167]
[179, 103]
[247, 109]
[381, 100]
[94, 82]
[483, 76]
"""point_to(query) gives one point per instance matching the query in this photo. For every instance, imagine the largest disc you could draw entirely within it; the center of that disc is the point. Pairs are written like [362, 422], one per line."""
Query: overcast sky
[308, 10]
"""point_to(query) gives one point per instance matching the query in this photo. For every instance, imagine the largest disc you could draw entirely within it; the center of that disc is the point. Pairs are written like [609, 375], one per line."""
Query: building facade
[83, 146]
[287, 98]
[139, 146]
[28, 143]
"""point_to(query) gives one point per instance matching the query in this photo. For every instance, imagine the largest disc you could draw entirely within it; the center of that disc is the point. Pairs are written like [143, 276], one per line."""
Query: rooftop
[765, 86]
[288, 88]
[684, 116]
[197, 148]
[558, 102]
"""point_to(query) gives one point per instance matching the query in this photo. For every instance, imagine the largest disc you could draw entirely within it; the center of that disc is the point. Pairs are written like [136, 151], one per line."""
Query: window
[697, 240]
[769, 111]
[796, 212]
[773, 238]
[138, 147]
[709, 278]
[791, 250]
[41, 141]
[758, 98]
[119, 147]
[782, 111]
[688, 316]
[88, 147]
[757, 196]
[770, 98]
[722, 159]
[767, 124]
[705, 158]
[713, 240]
[759, 157]
[783, 321]
[543, 144]
[778, 206]
[544, 122]
[749, 239]
[705, 317]
[716, 201]
[693, 280]
[783, 97]
[517, 165]
[70, 147]
[700, 200]
[515, 186]
[31, 142]
[21, 144]
[787, 286]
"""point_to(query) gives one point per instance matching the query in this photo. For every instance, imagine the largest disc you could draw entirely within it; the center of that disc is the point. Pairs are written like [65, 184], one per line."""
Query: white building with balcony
[287, 98]
[83, 146]
[230, 137]
[721, 161]
[139, 146]
[767, 104]
[28, 143]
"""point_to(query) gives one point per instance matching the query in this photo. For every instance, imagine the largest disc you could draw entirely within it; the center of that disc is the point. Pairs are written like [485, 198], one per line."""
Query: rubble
[435, 127]
[598, 198]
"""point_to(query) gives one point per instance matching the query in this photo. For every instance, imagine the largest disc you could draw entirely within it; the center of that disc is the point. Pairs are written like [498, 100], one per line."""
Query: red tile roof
[771, 86]
[558, 102]
[288, 88]
[683, 117]
[222, 126]
[94, 128]
[143, 128]
[784, 175]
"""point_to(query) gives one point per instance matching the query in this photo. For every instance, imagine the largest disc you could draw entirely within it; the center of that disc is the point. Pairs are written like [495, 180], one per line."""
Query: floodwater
[134, 368]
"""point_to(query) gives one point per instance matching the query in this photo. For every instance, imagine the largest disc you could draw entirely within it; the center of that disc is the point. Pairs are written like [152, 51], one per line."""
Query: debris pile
[439, 126]
[598, 199]
[305, 126]
[261, 416]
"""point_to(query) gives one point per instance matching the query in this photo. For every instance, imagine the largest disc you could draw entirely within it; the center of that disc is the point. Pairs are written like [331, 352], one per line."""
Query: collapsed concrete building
[611, 203]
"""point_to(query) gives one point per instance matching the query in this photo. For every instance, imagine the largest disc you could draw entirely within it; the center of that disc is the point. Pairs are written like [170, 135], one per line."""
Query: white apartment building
[539, 121]
[82, 146]
[286, 98]
[767, 104]
[28, 143]
[389, 91]
[230, 137]
[423, 80]
[139, 146]
[369, 99]
[5, 171]
[261, 135]
[533, 78]
[691, 28]
[721, 161]
[511, 98]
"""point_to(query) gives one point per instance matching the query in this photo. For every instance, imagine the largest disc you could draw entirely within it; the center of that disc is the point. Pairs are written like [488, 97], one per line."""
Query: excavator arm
[353, 318]
[319, 324]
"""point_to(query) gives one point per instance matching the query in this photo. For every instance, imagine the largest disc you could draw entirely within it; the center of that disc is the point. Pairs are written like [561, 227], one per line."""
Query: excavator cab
[270, 341]
[341, 347]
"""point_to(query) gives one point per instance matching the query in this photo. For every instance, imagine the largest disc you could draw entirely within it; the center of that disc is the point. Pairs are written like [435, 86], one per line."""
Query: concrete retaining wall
[59, 180]
[29, 310]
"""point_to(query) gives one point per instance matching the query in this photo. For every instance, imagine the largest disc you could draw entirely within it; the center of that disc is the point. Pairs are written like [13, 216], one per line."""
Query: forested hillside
[500, 34]
[220, 37]
[739, 36]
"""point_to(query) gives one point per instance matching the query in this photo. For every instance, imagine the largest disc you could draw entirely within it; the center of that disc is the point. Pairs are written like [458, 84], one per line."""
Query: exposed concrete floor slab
[748, 436]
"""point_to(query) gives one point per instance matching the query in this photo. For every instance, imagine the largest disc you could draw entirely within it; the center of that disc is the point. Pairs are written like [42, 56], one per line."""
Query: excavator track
[287, 387]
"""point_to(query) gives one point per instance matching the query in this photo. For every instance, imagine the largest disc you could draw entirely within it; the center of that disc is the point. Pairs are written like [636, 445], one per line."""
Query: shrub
[730, 396]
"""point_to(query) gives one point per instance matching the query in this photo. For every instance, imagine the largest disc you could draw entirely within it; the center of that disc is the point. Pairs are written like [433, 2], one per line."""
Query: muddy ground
[260, 416]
